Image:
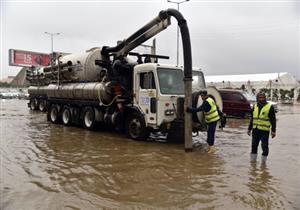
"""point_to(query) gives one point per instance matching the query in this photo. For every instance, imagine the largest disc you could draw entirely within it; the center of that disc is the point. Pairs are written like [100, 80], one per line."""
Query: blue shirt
[204, 107]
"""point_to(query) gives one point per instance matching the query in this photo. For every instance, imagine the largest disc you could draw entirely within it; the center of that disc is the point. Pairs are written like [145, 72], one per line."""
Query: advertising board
[28, 58]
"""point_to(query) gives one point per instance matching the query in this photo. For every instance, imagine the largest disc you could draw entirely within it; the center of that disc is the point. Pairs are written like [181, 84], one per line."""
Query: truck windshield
[198, 81]
[170, 81]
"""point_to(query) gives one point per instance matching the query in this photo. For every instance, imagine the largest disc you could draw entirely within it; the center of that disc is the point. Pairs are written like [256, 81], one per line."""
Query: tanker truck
[105, 87]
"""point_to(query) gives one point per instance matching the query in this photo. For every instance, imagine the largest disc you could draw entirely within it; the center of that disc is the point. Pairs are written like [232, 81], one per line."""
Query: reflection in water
[101, 169]
[47, 166]
[118, 170]
[263, 190]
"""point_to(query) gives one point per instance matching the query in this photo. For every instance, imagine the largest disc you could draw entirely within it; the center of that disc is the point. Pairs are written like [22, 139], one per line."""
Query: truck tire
[33, 104]
[53, 114]
[89, 119]
[136, 127]
[66, 116]
[42, 105]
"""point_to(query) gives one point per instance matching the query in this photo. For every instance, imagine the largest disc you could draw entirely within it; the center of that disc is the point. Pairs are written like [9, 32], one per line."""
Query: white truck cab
[157, 88]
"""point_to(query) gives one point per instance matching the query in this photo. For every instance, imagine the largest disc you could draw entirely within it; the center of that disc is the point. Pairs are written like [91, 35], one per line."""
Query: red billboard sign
[28, 58]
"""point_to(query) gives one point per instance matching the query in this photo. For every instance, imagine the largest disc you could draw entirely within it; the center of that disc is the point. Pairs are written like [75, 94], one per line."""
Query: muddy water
[46, 166]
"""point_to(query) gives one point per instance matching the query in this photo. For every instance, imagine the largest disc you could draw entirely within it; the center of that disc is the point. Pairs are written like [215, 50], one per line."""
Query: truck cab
[156, 89]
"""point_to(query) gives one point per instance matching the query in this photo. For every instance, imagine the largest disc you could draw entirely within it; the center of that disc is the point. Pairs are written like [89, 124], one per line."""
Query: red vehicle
[236, 103]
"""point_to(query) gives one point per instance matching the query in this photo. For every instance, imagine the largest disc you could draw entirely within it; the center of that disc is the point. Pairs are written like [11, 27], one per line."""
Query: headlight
[169, 112]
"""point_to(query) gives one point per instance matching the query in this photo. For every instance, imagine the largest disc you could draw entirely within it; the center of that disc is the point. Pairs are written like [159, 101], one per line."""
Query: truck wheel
[33, 104]
[53, 114]
[66, 116]
[89, 120]
[42, 105]
[136, 127]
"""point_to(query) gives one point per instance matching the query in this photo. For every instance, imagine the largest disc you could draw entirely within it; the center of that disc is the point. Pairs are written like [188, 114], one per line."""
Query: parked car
[252, 99]
[235, 103]
[11, 93]
[239, 103]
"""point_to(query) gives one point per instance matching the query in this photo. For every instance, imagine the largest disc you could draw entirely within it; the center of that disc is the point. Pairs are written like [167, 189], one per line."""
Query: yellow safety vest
[212, 115]
[262, 121]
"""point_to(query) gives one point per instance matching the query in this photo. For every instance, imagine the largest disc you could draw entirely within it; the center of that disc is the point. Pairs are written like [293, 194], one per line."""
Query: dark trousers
[263, 136]
[211, 133]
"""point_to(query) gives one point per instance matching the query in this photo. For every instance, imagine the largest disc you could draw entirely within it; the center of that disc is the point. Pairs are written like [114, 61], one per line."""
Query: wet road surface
[46, 166]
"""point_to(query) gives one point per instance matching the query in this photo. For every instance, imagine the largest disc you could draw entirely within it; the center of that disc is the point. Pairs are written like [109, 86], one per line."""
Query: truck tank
[102, 91]
[76, 67]
[37, 90]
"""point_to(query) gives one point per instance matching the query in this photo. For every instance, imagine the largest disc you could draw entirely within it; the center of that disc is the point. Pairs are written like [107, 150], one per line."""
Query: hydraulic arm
[158, 24]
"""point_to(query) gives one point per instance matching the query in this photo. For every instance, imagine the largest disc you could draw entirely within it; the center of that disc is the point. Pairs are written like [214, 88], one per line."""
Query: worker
[211, 116]
[263, 120]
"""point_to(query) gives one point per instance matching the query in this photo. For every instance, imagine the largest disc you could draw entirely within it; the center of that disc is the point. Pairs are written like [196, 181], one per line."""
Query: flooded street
[47, 166]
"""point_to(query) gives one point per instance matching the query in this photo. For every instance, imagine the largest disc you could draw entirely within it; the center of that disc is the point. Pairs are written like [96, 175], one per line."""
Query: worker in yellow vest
[211, 115]
[263, 120]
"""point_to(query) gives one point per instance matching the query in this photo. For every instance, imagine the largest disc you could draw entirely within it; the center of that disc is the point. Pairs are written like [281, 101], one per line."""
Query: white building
[282, 80]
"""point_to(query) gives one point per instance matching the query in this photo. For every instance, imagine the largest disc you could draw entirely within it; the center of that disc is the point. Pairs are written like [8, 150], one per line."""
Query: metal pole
[296, 93]
[271, 90]
[177, 53]
[51, 35]
[177, 59]
[52, 55]
[153, 49]
[52, 44]
[188, 139]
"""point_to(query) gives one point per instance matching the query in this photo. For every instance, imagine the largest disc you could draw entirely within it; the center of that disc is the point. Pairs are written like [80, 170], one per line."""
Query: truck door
[147, 96]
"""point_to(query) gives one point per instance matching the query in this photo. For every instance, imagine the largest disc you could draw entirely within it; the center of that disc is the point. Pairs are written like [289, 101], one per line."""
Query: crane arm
[143, 34]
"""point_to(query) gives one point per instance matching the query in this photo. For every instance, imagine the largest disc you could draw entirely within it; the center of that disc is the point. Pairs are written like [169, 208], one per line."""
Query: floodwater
[47, 166]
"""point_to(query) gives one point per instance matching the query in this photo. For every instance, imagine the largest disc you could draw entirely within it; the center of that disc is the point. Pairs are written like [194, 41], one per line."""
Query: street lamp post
[178, 3]
[52, 34]
[52, 59]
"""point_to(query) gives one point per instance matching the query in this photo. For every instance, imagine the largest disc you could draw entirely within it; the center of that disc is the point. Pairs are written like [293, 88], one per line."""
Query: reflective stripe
[212, 115]
[262, 122]
[208, 113]
[261, 119]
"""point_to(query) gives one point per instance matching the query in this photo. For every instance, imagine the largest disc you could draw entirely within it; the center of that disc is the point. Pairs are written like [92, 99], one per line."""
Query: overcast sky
[227, 37]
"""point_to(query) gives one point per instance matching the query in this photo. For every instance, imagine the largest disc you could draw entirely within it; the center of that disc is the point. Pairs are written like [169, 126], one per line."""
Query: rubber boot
[210, 149]
[263, 159]
[253, 157]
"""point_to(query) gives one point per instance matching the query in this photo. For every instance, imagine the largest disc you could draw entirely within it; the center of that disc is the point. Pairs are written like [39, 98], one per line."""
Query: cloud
[227, 37]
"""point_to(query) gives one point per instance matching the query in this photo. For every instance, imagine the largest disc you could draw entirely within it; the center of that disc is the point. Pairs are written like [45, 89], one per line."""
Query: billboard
[28, 58]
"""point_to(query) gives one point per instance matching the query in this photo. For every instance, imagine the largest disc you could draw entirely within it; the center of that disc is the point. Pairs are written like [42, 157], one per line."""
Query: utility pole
[52, 53]
[271, 90]
[178, 3]
[152, 48]
[51, 35]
